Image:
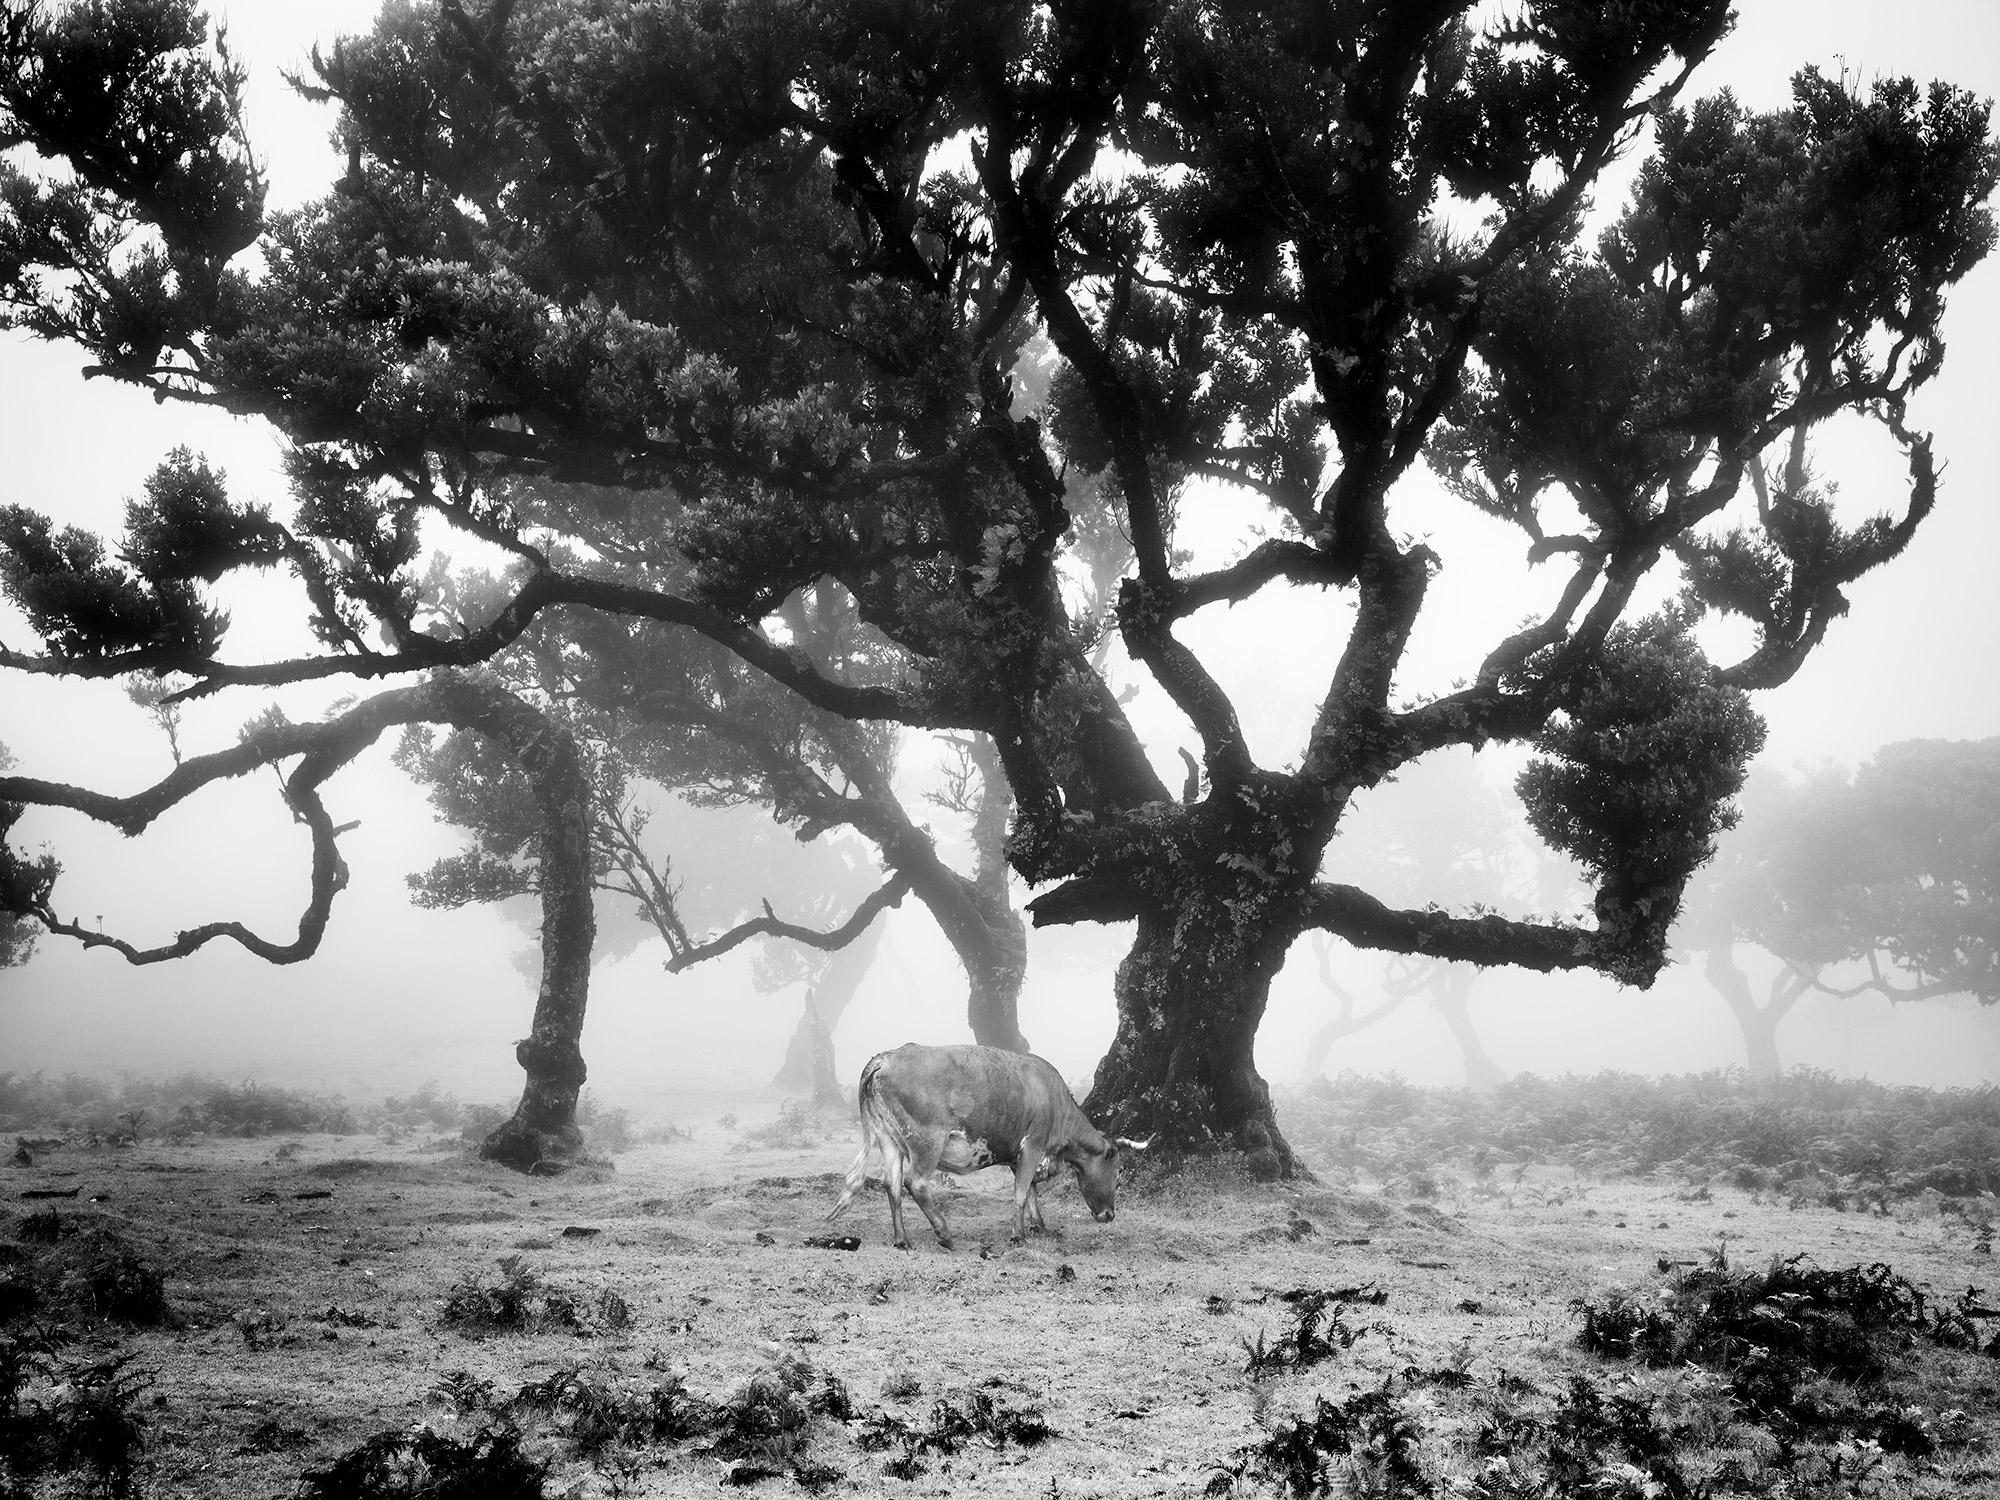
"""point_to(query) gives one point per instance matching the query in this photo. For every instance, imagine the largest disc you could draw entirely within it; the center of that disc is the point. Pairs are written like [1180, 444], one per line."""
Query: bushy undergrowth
[1847, 1135]
[1319, 1331]
[948, 1427]
[796, 1127]
[769, 1426]
[420, 1464]
[86, 1110]
[1791, 1381]
[63, 1418]
[521, 1301]
[80, 1110]
[1804, 1349]
[76, 1265]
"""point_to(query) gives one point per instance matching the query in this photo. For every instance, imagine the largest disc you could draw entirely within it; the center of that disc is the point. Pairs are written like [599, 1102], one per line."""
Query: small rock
[1065, 1272]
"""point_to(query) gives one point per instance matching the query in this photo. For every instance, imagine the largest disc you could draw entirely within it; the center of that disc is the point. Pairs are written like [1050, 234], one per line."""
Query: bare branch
[769, 925]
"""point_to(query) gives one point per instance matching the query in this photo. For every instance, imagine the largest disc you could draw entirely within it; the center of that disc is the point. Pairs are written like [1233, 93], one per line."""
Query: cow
[958, 1109]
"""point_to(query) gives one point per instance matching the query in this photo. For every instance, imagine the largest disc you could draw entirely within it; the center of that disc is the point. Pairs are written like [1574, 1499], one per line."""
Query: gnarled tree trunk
[995, 955]
[542, 1133]
[1191, 994]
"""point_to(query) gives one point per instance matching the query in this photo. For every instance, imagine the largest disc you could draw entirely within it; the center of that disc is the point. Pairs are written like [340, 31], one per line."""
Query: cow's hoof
[901, 1244]
[943, 1243]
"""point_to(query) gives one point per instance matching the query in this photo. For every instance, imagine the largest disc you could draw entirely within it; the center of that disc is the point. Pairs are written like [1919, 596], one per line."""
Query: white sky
[398, 994]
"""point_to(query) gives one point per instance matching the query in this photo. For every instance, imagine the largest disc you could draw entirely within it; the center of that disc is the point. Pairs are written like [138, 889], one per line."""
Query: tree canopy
[690, 306]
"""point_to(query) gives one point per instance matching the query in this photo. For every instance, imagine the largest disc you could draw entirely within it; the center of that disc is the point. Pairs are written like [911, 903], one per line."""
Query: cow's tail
[880, 1135]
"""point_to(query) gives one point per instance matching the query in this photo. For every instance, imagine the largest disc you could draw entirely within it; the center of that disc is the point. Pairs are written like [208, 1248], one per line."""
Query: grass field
[1416, 1331]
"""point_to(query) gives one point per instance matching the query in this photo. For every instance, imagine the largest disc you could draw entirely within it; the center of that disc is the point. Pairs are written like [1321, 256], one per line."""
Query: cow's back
[992, 1096]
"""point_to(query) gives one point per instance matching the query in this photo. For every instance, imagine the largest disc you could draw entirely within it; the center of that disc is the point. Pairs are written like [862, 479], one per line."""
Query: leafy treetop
[691, 306]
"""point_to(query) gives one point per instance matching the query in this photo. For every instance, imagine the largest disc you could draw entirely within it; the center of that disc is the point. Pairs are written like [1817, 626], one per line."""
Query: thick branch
[542, 590]
[1294, 562]
[1088, 898]
[1352, 914]
[326, 747]
[769, 925]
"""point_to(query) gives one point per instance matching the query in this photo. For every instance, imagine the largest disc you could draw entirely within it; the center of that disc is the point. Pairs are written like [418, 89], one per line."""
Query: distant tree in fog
[747, 288]
[1441, 833]
[1919, 908]
[1886, 882]
[1771, 886]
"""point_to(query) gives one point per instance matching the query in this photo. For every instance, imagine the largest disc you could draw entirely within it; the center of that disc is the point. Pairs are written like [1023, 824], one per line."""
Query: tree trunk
[1758, 1023]
[826, 1002]
[1191, 994]
[995, 955]
[1452, 996]
[542, 1134]
[994, 945]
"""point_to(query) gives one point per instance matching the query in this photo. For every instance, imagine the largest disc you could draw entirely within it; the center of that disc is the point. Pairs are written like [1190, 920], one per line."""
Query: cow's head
[1097, 1175]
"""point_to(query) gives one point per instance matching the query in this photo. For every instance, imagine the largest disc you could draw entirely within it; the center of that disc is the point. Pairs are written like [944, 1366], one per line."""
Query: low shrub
[592, 1413]
[522, 1302]
[1364, 1445]
[796, 1127]
[78, 1264]
[1316, 1334]
[1781, 1335]
[947, 1428]
[420, 1464]
[67, 1418]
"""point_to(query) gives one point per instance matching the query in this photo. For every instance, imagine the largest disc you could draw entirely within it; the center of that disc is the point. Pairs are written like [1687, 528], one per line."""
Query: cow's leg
[893, 1166]
[1024, 1192]
[920, 1189]
[1035, 1206]
[923, 1168]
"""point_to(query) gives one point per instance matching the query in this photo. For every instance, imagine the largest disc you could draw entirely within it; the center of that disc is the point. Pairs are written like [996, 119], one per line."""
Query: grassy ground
[324, 1289]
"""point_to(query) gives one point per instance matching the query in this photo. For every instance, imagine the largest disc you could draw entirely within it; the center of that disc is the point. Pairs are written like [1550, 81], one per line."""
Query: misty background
[398, 995]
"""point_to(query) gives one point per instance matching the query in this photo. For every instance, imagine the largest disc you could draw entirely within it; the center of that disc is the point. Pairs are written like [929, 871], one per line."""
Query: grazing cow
[962, 1108]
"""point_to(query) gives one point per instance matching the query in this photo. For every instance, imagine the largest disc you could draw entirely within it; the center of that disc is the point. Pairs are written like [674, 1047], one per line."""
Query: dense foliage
[691, 307]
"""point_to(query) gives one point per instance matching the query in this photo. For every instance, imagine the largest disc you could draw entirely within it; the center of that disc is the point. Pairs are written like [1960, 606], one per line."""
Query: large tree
[749, 282]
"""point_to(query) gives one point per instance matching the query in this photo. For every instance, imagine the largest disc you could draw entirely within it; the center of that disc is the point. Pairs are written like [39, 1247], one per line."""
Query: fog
[398, 995]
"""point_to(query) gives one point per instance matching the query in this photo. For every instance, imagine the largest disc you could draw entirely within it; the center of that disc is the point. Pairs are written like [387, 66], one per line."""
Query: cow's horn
[1125, 1140]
